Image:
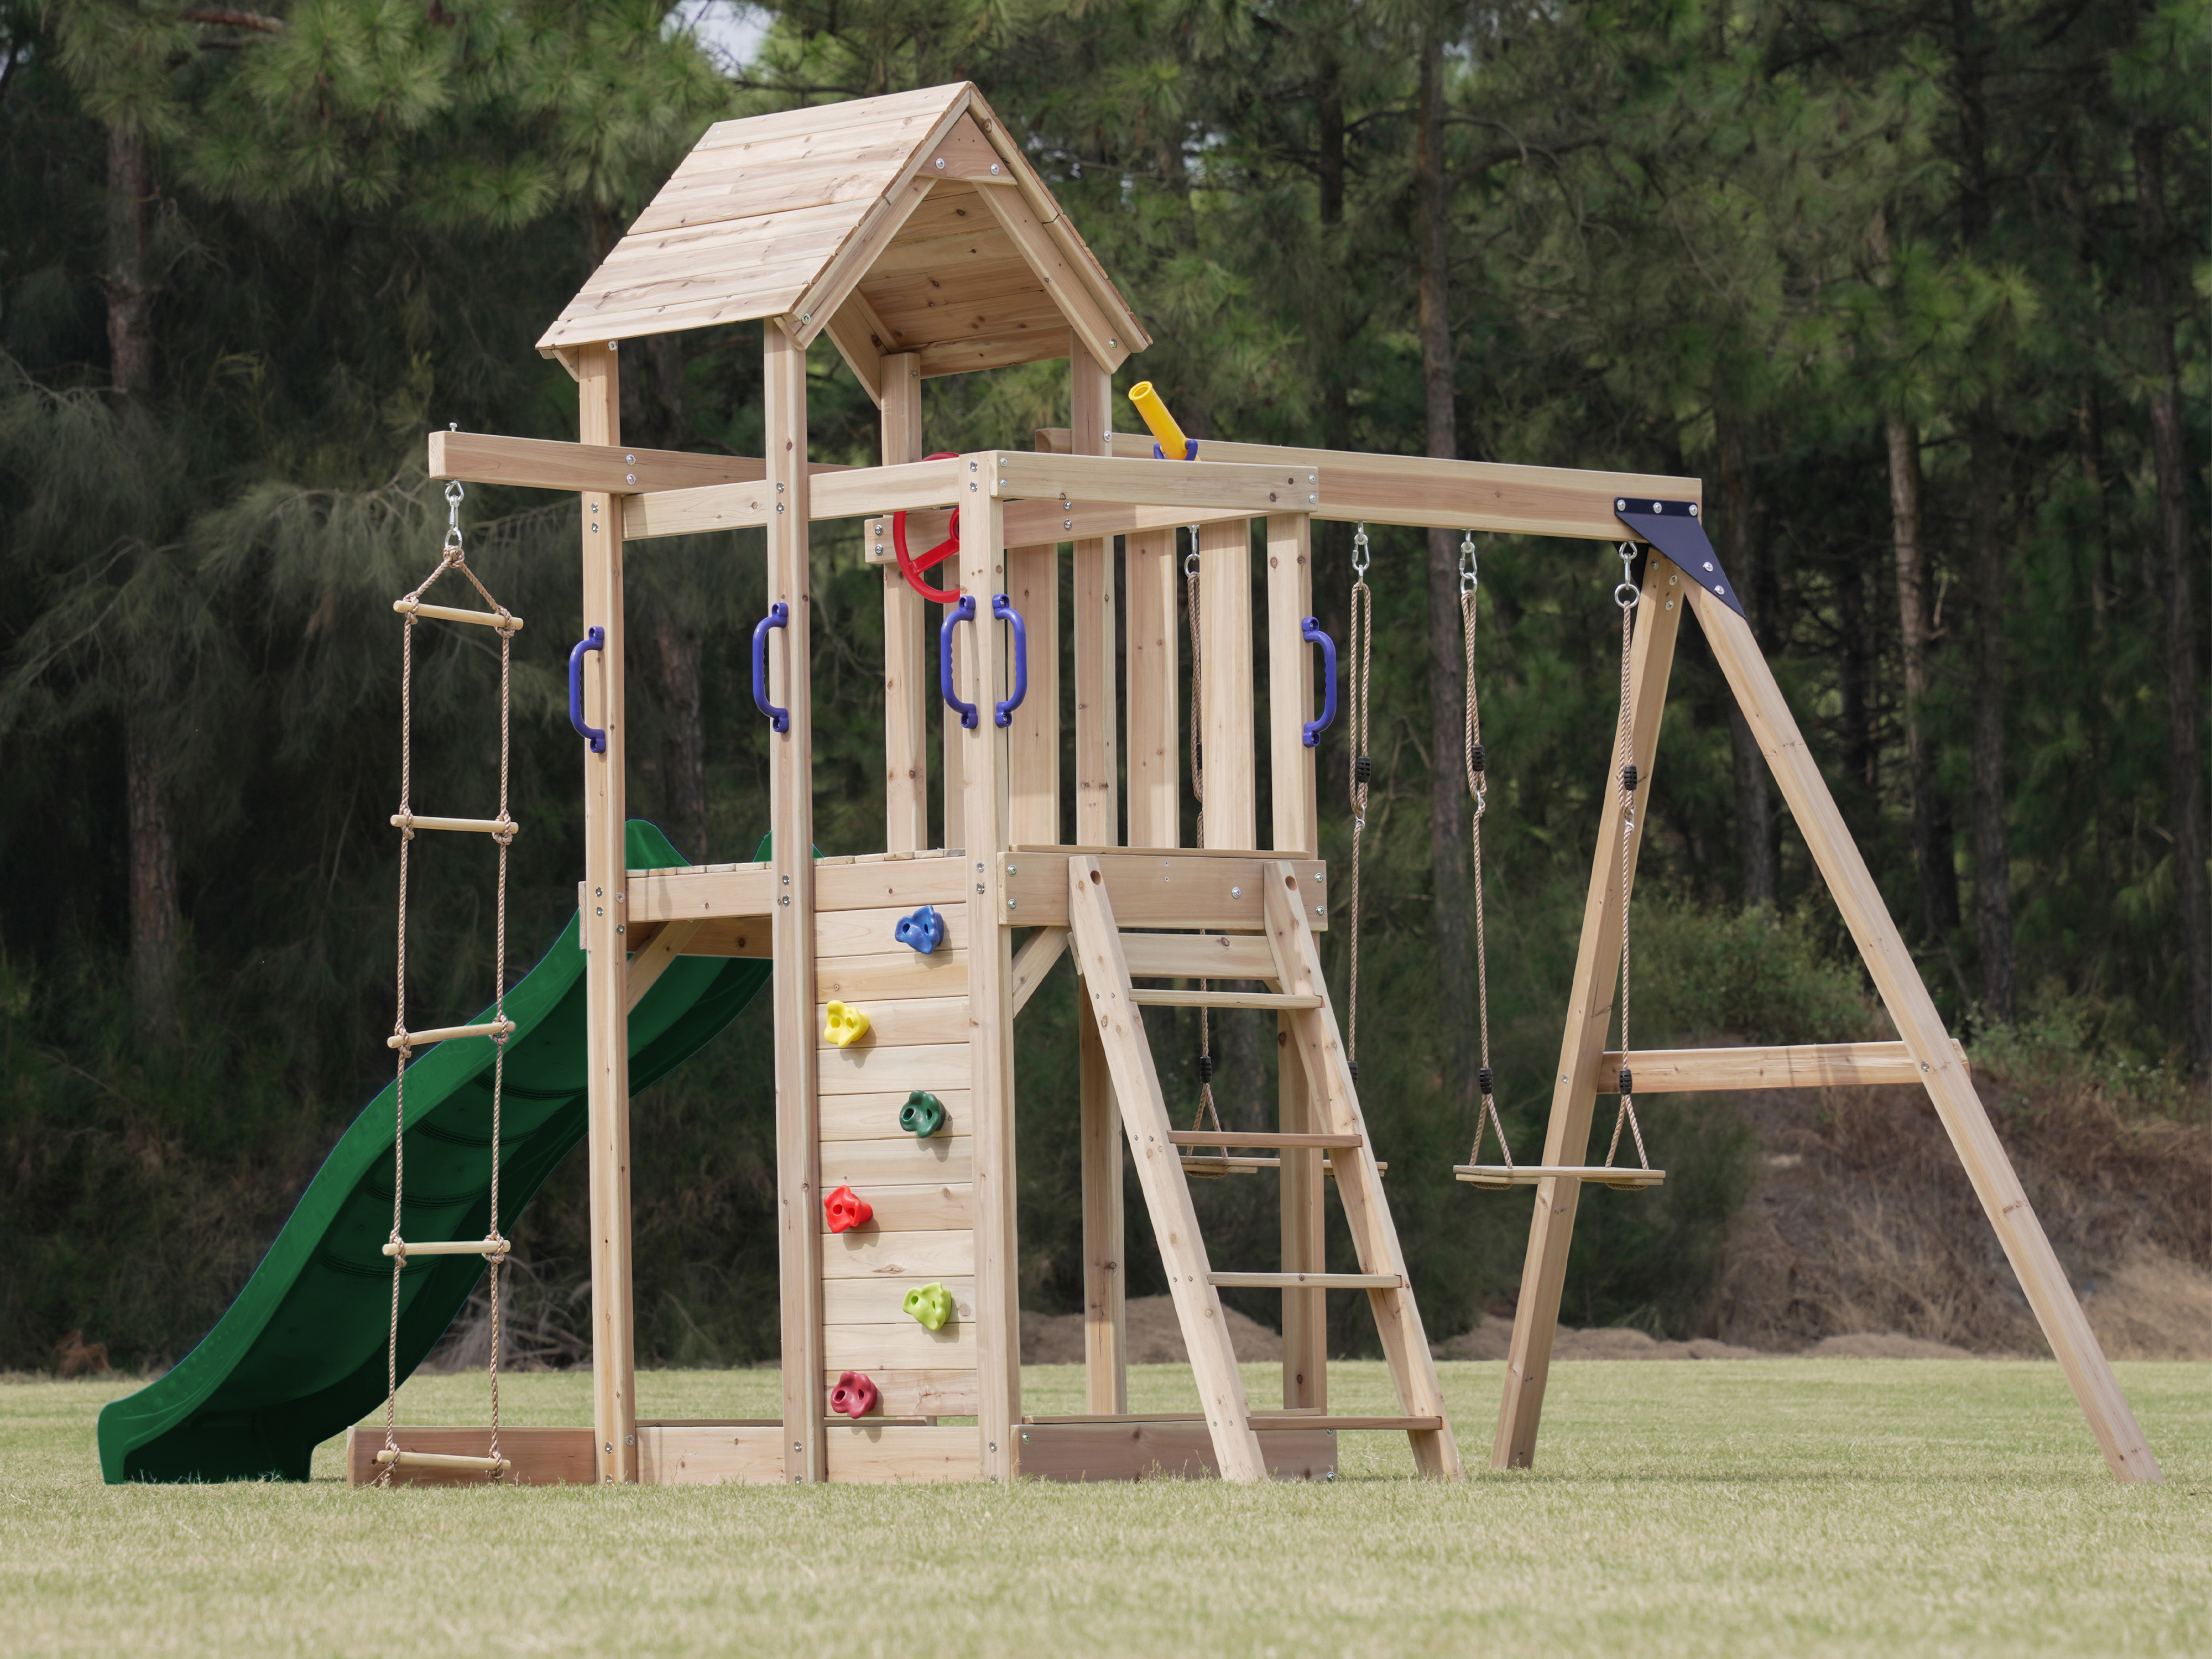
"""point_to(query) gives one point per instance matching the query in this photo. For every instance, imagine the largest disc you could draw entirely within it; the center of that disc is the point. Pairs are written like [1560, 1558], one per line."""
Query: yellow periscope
[1173, 444]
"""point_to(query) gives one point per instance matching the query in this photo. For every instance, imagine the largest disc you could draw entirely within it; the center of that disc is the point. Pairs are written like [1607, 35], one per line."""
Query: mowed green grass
[1782, 1506]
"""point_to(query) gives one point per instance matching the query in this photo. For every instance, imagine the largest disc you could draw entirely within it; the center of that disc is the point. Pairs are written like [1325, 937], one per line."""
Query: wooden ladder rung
[1256, 1138]
[447, 1033]
[452, 1247]
[1265, 1422]
[1499, 1176]
[423, 1460]
[1199, 1164]
[1306, 1281]
[449, 613]
[1282, 1000]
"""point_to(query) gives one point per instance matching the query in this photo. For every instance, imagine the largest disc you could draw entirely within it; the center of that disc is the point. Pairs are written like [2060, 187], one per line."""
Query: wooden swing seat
[1497, 1176]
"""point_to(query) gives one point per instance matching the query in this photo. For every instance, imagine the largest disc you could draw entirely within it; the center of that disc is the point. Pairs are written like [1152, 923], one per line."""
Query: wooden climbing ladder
[1300, 995]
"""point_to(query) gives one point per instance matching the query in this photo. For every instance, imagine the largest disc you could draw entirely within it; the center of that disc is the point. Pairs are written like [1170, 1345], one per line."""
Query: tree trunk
[2184, 763]
[150, 842]
[1754, 818]
[1992, 838]
[155, 923]
[1931, 850]
[1855, 672]
[1331, 539]
[1448, 800]
[683, 746]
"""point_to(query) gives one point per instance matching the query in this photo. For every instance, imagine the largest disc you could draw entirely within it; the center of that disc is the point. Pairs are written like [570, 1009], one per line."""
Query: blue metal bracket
[1677, 530]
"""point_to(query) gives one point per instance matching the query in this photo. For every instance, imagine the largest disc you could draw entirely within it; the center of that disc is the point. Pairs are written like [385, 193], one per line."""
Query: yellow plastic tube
[1173, 444]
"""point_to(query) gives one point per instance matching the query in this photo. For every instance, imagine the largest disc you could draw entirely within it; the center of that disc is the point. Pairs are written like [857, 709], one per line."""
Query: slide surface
[299, 1355]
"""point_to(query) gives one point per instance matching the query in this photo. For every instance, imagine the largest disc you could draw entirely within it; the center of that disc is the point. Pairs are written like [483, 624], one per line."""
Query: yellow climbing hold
[844, 1026]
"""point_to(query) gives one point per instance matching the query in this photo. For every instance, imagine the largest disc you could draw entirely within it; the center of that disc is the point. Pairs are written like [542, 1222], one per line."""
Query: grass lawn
[1772, 1506]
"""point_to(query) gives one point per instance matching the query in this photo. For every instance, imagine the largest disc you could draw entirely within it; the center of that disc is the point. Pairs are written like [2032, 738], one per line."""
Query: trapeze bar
[1500, 1176]
[451, 613]
[455, 1247]
[419, 1460]
[447, 1033]
[480, 826]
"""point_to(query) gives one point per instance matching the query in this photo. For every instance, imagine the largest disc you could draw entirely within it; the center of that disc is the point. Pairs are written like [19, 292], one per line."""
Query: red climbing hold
[853, 1396]
[847, 1210]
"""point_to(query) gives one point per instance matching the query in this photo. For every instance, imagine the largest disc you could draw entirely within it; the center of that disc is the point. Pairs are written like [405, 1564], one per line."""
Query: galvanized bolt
[940, 164]
[629, 477]
[1237, 892]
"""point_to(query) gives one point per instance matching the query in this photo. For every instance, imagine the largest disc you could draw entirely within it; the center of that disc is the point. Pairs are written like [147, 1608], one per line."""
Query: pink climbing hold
[847, 1210]
[853, 1396]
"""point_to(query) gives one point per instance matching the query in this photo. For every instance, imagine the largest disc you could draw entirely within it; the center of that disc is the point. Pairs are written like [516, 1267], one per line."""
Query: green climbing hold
[930, 1304]
[923, 1115]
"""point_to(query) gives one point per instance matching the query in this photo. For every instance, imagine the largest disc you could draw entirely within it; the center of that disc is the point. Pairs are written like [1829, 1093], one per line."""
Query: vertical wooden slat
[1291, 669]
[1589, 1011]
[614, 1400]
[1097, 808]
[791, 818]
[1943, 1069]
[907, 690]
[990, 991]
[1155, 769]
[1033, 739]
[1225, 584]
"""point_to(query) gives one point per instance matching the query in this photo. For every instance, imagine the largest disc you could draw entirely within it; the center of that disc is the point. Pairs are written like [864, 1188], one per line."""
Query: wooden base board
[1140, 1451]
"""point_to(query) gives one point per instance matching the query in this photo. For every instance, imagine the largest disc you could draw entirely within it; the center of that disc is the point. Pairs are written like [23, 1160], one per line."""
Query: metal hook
[1359, 551]
[1470, 568]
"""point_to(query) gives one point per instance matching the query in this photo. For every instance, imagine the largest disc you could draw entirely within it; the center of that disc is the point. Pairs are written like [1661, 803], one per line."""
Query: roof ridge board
[775, 122]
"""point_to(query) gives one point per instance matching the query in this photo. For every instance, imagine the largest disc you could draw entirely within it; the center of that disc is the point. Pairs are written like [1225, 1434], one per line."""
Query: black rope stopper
[1627, 1082]
[1206, 1069]
[1628, 778]
[1355, 1071]
[1476, 758]
[1363, 769]
[1485, 1081]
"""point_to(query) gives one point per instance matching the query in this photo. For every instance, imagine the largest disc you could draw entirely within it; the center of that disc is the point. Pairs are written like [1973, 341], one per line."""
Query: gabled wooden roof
[911, 223]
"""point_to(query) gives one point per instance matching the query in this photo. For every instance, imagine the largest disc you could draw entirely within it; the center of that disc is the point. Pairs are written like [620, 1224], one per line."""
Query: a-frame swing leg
[1949, 1088]
[1589, 1013]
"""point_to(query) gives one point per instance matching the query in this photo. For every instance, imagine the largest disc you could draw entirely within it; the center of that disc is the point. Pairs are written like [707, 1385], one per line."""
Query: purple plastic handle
[963, 612]
[595, 639]
[778, 615]
[1002, 609]
[1309, 631]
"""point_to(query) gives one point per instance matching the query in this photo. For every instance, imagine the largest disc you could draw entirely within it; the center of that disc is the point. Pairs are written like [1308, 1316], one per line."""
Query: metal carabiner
[1190, 559]
[1359, 551]
[1469, 567]
[454, 495]
[1627, 561]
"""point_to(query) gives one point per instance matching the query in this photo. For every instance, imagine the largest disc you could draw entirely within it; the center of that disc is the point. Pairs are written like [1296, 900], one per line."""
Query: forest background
[1918, 289]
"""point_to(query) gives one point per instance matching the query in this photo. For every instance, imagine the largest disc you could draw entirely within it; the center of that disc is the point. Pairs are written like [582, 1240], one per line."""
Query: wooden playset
[912, 232]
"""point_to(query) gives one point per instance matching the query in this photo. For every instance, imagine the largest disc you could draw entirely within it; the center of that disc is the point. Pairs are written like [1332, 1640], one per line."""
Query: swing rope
[1205, 1111]
[452, 557]
[1626, 595]
[1477, 787]
[1360, 642]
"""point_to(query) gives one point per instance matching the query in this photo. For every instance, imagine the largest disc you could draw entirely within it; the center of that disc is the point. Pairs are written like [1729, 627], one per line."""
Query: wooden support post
[614, 1400]
[1224, 602]
[1943, 1069]
[1033, 739]
[1589, 1011]
[1098, 814]
[907, 688]
[790, 820]
[983, 682]
[1105, 1319]
[1155, 767]
[1296, 831]
[1097, 824]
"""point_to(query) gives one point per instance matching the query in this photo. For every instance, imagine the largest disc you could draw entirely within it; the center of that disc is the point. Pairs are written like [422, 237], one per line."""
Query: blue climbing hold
[924, 930]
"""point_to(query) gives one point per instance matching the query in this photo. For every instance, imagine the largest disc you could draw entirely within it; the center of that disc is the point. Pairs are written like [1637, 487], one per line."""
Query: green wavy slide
[299, 1355]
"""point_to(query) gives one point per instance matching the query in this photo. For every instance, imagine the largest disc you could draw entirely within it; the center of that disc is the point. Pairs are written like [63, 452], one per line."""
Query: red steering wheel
[910, 566]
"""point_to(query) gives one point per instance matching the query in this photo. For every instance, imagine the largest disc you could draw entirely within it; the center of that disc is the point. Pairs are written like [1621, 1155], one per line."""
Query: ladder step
[480, 826]
[1208, 1169]
[422, 1460]
[458, 1247]
[1306, 1281]
[1255, 1138]
[1264, 1422]
[447, 1033]
[1499, 1177]
[1199, 955]
[1279, 999]
[510, 624]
